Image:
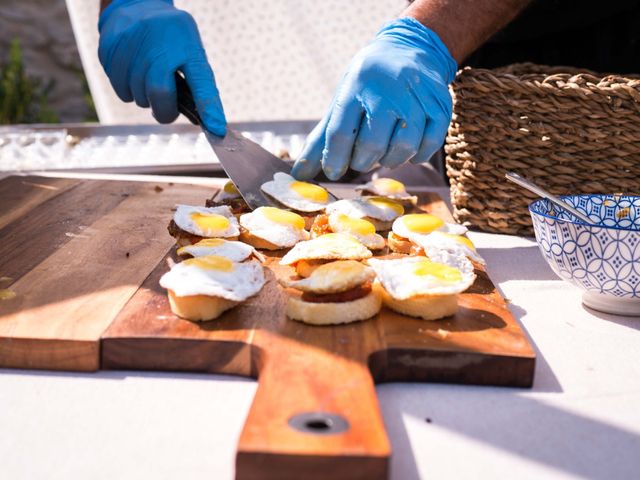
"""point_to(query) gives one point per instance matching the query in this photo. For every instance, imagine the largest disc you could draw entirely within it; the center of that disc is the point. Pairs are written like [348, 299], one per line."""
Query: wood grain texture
[48, 226]
[302, 368]
[21, 194]
[64, 303]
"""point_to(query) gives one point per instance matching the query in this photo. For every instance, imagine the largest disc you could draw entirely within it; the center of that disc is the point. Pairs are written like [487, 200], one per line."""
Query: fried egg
[409, 277]
[388, 187]
[416, 226]
[454, 244]
[228, 192]
[333, 277]
[300, 196]
[217, 222]
[363, 230]
[280, 227]
[378, 208]
[215, 276]
[234, 251]
[332, 246]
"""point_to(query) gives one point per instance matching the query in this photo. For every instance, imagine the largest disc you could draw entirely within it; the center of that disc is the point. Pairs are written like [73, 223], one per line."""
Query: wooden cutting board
[84, 257]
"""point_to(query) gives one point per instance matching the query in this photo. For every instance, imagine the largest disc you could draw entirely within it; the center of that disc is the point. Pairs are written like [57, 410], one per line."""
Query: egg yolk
[210, 222]
[385, 204]
[230, 187]
[211, 262]
[283, 217]
[442, 272]
[310, 191]
[422, 222]
[460, 239]
[388, 185]
[355, 225]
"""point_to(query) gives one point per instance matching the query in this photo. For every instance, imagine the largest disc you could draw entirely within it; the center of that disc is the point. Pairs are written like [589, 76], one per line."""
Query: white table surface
[580, 420]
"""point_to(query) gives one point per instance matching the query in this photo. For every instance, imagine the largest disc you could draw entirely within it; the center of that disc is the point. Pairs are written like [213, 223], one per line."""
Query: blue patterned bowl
[604, 260]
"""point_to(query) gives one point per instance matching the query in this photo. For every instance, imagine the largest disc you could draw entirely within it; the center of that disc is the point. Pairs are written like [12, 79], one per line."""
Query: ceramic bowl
[604, 259]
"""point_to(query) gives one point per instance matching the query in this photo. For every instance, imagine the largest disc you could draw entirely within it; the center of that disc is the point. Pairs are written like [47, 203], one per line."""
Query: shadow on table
[544, 380]
[123, 374]
[483, 401]
[509, 420]
[517, 263]
[629, 322]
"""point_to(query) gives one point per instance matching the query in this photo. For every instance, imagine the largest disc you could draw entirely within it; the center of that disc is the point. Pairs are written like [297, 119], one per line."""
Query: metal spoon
[532, 187]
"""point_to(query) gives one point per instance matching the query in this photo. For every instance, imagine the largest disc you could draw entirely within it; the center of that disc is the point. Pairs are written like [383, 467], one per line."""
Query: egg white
[361, 208]
[231, 249]
[228, 192]
[372, 241]
[182, 217]
[375, 187]
[280, 189]
[400, 229]
[398, 278]
[334, 277]
[279, 234]
[245, 280]
[332, 246]
[437, 241]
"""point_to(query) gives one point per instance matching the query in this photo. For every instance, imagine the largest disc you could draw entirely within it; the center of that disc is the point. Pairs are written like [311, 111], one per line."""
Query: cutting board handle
[315, 415]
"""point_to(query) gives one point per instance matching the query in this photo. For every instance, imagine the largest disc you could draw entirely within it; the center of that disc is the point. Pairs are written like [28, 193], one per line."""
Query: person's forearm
[464, 25]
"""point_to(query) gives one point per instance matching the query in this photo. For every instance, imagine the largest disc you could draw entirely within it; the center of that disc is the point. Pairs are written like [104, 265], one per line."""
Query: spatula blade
[247, 164]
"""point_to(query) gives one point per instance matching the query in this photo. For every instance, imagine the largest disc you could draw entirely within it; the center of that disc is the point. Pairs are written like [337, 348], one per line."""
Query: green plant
[91, 115]
[23, 99]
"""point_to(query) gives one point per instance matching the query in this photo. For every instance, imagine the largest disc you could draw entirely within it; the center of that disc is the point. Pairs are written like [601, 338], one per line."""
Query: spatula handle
[186, 103]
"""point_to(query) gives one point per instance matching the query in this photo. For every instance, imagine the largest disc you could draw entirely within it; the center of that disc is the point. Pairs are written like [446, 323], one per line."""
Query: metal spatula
[245, 162]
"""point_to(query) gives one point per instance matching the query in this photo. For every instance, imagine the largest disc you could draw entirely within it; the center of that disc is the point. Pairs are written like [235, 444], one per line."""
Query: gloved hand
[393, 105]
[142, 44]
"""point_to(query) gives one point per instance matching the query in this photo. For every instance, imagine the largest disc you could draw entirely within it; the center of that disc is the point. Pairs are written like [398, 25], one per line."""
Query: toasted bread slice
[426, 307]
[199, 308]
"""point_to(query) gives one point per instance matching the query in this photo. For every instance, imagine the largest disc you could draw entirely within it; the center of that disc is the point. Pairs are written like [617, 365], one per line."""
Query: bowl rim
[579, 223]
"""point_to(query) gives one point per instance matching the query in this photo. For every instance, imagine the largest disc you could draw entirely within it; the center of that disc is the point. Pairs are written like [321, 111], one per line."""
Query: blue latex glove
[393, 105]
[142, 44]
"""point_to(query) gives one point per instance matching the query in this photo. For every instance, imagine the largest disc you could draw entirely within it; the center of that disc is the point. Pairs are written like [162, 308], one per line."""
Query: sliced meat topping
[348, 296]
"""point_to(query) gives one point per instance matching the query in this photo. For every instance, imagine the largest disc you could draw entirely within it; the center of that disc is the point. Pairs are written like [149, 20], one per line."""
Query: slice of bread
[333, 313]
[426, 307]
[257, 242]
[399, 244]
[199, 308]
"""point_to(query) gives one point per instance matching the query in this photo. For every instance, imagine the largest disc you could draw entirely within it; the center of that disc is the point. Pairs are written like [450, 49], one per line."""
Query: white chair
[273, 60]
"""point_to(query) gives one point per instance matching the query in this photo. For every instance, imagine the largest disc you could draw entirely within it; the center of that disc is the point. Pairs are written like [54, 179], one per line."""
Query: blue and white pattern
[601, 259]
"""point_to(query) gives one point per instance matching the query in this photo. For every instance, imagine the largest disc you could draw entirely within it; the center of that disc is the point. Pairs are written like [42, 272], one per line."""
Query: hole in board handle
[319, 423]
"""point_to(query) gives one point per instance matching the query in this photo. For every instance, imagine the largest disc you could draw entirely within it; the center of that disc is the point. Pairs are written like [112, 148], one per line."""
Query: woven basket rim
[549, 73]
[546, 80]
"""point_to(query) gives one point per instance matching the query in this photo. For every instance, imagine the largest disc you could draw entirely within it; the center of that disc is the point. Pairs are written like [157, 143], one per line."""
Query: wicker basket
[570, 132]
